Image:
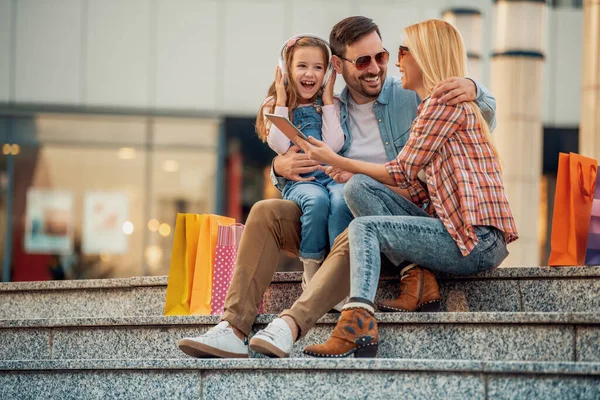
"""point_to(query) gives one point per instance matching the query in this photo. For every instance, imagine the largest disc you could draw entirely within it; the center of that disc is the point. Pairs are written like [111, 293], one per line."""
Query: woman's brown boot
[355, 333]
[418, 291]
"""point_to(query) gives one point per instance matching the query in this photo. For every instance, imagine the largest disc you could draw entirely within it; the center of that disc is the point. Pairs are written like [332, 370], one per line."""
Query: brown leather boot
[355, 333]
[418, 291]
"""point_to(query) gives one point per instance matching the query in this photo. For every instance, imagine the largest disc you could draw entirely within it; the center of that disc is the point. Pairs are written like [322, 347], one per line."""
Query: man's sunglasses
[402, 51]
[363, 62]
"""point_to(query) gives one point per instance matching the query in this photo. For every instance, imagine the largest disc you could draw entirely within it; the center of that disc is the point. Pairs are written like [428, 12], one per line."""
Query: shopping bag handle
[592, 186]
[228, 237]
[236, 224]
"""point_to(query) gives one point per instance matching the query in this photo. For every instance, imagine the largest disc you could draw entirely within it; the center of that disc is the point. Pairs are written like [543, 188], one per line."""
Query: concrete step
[537, 289]
[298, 379]
[444, 336]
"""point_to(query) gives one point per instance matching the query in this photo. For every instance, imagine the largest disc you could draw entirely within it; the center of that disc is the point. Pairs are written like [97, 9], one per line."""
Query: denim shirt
[395, 110]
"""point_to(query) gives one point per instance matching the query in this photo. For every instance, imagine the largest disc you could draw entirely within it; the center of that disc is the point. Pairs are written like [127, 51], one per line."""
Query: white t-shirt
[367, 144]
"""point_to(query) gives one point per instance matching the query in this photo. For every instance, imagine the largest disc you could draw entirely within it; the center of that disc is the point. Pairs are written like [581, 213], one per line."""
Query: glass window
[183, 180]
[96, 196]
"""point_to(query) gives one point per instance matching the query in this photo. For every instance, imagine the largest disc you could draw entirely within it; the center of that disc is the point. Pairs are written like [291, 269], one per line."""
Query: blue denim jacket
[395, 110]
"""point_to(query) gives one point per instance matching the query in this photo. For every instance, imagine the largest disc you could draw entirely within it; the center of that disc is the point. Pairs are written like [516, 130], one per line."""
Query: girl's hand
[328, 90]
[319, 151]
[280, 88]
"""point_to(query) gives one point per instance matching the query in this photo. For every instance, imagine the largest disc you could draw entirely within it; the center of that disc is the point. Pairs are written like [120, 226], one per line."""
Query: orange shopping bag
[183, 261]
[203, 271]
[572, 209]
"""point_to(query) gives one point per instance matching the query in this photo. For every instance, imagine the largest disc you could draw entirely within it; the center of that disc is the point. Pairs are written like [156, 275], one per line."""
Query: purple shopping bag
[592, 254]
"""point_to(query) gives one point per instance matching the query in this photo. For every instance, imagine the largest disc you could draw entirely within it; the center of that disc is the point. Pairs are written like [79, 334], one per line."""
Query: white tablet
[288, 128]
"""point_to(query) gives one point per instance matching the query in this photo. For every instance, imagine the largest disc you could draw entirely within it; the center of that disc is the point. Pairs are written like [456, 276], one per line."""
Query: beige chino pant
[274, 225]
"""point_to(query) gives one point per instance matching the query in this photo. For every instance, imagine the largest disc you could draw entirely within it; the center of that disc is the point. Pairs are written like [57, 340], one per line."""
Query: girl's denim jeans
[324, 211]
[324, 215]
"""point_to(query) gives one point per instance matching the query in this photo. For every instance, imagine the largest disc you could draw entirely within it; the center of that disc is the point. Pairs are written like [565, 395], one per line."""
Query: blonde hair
[439, 50]
[262, 129]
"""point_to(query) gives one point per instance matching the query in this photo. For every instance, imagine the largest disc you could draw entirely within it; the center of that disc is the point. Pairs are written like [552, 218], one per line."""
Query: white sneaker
[273, 341]
[219, 342]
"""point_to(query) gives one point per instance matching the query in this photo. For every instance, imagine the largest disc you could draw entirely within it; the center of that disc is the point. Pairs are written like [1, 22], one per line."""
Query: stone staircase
[511, 333]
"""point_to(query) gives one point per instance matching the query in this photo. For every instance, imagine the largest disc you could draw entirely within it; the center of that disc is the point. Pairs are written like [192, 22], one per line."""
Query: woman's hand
[319, 151]
[337, 174]
[328, 90]
[280, 88]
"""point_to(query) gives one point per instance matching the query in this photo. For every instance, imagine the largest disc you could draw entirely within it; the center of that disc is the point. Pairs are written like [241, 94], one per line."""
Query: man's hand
[454, 90]
[338, 175]
[291, 164]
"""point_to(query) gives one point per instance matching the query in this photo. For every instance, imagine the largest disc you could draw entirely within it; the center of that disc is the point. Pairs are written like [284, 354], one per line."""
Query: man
[376, 115]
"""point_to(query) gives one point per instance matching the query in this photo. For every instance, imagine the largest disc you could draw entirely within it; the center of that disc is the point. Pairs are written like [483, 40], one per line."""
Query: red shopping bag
[228, 240]
[592, 255]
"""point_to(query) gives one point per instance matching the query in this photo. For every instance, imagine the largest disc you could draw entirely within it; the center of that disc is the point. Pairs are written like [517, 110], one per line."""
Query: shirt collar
[422, 104]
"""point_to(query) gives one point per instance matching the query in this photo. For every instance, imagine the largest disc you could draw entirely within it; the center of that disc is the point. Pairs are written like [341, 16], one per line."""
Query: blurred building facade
[154, 101]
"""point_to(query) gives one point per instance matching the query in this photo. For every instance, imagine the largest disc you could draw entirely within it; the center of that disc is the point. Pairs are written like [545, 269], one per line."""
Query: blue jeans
[324, 211]
[391, 224]
[324, 214]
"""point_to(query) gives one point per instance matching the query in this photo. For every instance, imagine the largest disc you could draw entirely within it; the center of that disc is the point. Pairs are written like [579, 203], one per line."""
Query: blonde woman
[457, 220]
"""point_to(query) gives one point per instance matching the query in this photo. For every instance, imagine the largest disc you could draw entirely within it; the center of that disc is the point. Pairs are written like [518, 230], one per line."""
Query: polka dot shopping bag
[228, 240]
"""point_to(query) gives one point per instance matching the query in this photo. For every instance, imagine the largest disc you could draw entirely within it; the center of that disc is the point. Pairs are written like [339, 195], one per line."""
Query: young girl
[302, 93]
[468, 222]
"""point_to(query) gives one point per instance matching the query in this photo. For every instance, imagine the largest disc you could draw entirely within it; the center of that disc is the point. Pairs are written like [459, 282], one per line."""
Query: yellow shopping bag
[183, 261]
[203, 271]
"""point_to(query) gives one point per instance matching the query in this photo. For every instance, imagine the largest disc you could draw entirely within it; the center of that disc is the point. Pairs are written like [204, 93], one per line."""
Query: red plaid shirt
[463, 175]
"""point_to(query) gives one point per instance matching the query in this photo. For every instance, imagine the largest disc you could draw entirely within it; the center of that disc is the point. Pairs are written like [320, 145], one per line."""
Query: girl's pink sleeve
[276, 139]
[333, 134]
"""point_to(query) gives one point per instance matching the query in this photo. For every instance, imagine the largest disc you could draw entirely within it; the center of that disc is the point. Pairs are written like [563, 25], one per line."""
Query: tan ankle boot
[355, 333]
[418, 291]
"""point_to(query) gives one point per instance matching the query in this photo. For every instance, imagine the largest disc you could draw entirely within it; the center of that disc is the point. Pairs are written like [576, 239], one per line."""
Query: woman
[454, 216]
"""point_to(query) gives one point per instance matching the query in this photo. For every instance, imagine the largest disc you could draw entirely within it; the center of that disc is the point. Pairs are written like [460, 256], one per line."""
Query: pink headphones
[291, 41]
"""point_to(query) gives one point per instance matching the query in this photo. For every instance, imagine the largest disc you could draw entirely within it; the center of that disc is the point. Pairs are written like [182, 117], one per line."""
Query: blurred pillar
[468, 23]
[220, 184]
[516, 82]
[589, 128]
[234, 181]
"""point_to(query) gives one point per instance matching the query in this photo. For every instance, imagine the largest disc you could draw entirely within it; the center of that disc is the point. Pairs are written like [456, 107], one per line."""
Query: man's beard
[356, 84]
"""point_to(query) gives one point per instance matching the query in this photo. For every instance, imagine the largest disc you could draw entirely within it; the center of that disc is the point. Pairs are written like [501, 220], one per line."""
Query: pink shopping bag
[592, 255]
[228, 240]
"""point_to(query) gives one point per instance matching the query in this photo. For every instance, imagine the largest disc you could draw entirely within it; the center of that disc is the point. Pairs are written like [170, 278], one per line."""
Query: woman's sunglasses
[361, 63]
[402, 51]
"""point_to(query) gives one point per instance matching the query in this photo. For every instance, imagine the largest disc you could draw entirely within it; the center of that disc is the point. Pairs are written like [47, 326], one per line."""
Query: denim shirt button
[379, 120]
[387, 143]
